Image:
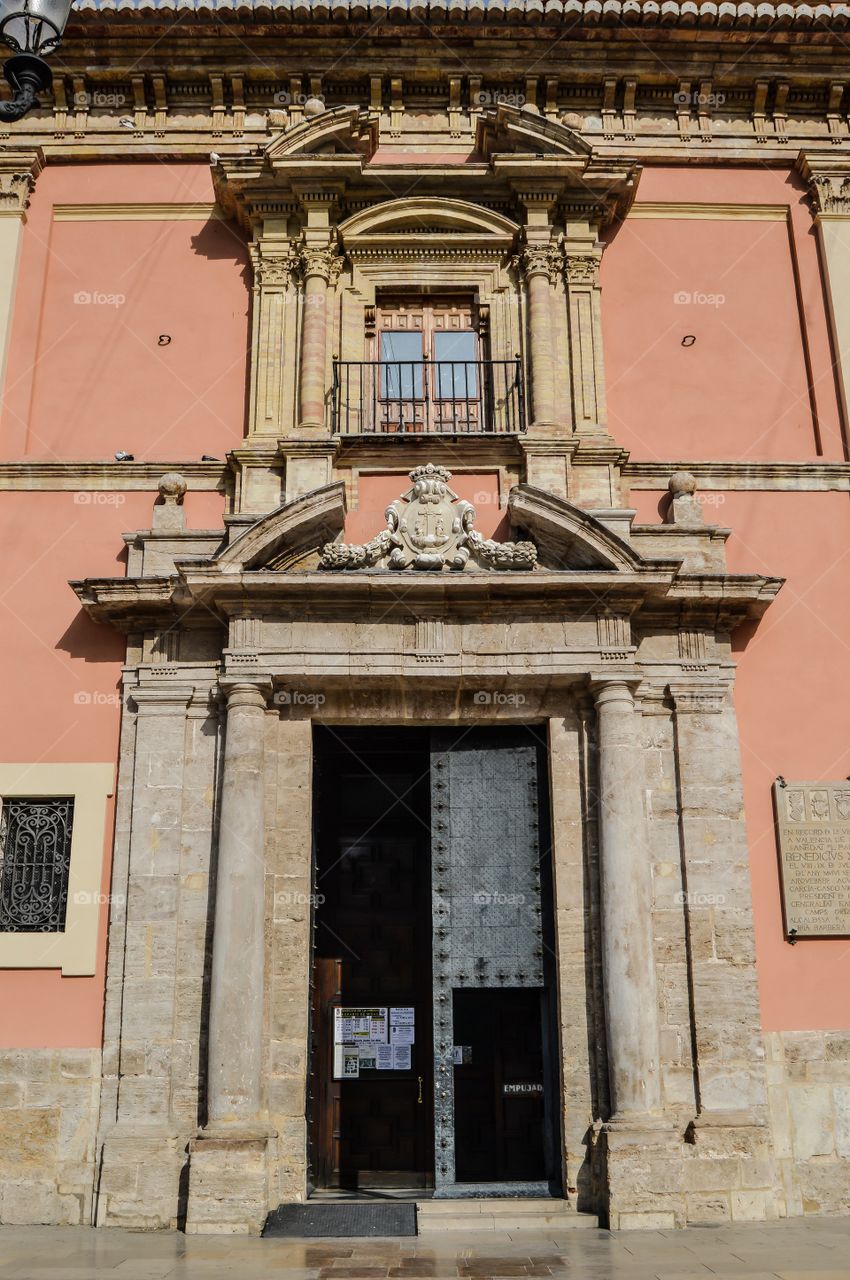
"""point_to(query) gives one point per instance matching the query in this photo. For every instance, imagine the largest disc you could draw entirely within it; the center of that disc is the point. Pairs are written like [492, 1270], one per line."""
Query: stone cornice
[811, 476]
[35, 474]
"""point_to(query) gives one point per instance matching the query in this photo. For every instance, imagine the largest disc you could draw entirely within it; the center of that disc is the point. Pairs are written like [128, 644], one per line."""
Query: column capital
[614, 689]
[827, 177]
[18, 173]
[325, 262]
[243, 693]
[704, 697]
[542, 260]
[582, 268]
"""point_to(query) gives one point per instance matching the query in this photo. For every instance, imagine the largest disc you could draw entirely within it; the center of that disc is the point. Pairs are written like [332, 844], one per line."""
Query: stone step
[506, 1214]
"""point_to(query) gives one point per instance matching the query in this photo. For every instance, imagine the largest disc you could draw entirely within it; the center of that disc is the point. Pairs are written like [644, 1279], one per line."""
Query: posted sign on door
[372, 1039]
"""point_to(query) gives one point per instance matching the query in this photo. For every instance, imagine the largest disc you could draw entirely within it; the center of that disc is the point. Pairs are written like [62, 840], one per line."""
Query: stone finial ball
[172, 486]
[682, 482]
[313, 107]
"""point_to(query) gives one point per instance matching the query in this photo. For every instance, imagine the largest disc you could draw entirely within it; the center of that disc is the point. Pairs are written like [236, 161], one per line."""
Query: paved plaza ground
[811, 1249]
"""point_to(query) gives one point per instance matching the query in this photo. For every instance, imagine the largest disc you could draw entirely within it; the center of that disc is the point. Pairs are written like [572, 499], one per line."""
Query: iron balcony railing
[468, 396]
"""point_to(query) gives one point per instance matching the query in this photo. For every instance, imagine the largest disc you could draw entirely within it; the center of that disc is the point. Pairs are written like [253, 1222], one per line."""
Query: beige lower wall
[48, 1123]
[808, 1080]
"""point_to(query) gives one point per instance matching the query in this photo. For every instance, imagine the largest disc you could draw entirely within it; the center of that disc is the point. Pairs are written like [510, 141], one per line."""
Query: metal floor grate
[343, 1218]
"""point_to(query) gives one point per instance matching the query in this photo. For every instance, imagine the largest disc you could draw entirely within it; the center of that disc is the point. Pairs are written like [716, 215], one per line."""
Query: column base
[643, 1173]
[140, 1176]
[229, 1180]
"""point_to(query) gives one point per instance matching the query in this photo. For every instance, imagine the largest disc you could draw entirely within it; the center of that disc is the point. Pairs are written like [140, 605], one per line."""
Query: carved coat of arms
[429, 527]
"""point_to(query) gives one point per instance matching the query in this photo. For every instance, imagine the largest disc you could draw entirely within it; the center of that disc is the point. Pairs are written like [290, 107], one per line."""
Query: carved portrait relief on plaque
[813, 827]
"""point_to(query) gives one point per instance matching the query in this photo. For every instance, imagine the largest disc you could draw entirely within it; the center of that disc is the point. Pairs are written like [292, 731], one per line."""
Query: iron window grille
[35, 862]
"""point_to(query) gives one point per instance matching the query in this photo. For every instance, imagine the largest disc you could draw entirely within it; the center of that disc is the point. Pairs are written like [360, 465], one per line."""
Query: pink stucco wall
[86, 372]
[750, 293]
[792, 693]
[61, 699]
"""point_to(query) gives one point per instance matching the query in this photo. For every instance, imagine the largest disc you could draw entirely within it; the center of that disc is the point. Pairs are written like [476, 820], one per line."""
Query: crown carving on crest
[429, 527]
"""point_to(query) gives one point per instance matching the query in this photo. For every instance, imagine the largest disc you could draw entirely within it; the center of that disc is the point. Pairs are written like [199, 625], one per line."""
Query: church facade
[424, 503]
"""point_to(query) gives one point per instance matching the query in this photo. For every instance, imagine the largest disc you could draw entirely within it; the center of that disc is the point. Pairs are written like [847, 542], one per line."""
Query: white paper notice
[354, 1026]
[384, 1057]
[350, 1064]
[402, 1024]
[401, 1057]
[368, 1055]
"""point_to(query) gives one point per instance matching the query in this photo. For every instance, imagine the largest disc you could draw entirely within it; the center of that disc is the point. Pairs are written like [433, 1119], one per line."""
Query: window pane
[401, 365]
[457, 374]
[35, 859]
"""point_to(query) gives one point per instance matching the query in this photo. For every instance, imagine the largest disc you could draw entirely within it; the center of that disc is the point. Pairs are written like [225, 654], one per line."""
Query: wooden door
[372, 950]
[430, 374]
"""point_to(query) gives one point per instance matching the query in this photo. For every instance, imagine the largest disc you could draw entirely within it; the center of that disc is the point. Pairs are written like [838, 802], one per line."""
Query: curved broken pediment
[288, 534]
[340, 130]
[505, 127]
[566, 536]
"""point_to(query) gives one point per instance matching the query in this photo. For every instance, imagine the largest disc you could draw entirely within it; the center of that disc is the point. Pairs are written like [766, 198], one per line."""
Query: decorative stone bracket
[429, 527]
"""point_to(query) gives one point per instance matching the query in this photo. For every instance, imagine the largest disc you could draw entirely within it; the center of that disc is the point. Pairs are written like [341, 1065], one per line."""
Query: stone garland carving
[430, 528]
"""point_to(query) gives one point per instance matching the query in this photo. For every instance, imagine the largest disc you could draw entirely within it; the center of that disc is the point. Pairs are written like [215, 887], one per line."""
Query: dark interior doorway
[372, 1068]
[372, 950]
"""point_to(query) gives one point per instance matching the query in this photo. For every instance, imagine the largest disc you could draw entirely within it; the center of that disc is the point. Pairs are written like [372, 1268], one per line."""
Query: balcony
[470, 397]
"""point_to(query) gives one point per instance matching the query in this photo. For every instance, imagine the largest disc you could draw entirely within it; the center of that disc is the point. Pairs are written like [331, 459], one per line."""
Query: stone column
[828, 179]
[234, 1073]
[18, 173]
[230, 1160]
[320, 265]
[538, 264]
[631, 999]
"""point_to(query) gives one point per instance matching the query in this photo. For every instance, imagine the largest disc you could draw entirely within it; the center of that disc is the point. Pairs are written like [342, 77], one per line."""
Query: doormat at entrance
[346, 1219]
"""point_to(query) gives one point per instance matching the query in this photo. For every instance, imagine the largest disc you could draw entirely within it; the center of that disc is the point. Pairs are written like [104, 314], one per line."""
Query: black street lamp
[31, 28]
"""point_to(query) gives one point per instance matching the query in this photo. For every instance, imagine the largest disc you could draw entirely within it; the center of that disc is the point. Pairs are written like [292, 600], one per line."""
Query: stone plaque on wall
[813, 824]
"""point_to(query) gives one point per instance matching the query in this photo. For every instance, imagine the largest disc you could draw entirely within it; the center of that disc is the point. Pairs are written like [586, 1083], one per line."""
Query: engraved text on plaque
[813, 822]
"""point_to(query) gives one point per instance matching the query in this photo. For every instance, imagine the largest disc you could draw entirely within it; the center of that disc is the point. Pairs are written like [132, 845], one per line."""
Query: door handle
[419, 1099]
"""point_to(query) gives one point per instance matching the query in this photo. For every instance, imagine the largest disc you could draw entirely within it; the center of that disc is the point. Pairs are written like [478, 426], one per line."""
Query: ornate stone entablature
[429, 527]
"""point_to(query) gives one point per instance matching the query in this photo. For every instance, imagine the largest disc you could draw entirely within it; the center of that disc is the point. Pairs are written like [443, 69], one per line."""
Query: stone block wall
[48, 1124]
[808, 1074]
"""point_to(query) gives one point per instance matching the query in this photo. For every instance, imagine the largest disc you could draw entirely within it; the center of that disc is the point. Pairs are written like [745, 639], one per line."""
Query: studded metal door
[486, 889]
